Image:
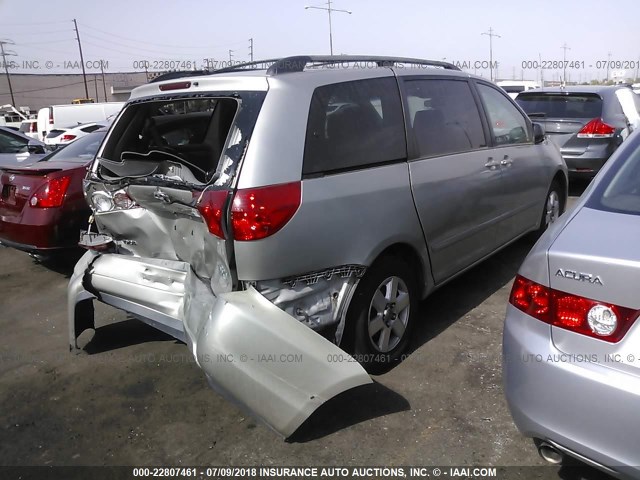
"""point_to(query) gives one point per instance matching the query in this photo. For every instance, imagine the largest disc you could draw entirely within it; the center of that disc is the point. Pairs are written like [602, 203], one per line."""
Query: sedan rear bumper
[41, 230]
[583, 407]
[250, 350]
[587, 162]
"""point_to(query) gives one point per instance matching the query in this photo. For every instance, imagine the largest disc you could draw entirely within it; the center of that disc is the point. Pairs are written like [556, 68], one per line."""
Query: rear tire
[382, 313]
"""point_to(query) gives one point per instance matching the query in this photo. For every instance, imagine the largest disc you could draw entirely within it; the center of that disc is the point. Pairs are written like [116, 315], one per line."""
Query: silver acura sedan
[571, 347]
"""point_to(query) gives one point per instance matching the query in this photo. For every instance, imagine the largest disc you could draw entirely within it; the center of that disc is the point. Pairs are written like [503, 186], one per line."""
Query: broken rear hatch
[161, 204]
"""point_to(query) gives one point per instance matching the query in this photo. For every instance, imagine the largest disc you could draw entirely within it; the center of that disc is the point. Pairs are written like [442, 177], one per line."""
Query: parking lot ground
[136, 397]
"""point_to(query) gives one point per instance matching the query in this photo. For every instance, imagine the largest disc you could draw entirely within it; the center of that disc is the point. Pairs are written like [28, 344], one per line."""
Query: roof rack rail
[298, 63]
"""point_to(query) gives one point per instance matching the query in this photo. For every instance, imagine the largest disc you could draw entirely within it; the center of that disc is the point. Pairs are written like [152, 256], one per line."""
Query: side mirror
[35, 148]
[538, 133]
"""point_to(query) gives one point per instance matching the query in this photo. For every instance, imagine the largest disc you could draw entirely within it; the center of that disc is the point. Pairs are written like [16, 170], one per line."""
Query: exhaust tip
[550, 453]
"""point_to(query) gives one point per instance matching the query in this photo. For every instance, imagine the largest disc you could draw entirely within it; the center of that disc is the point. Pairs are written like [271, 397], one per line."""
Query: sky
[125, 34]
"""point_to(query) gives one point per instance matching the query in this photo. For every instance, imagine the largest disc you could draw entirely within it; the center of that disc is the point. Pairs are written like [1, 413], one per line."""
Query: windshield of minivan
[581, 105]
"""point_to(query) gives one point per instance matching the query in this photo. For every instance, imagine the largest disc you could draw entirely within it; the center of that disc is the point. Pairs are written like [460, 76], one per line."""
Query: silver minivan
[275, 214]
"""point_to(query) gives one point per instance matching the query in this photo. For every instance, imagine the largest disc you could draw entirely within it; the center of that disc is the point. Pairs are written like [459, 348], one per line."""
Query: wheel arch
[412, 257]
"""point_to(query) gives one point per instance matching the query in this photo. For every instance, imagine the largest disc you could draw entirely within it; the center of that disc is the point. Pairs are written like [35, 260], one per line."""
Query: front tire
[553, 207]
[383, 312]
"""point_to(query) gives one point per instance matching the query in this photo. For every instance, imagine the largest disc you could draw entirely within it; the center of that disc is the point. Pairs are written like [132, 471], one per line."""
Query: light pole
[329, 9]
[564, 63]
[490, 34]
[5, 53]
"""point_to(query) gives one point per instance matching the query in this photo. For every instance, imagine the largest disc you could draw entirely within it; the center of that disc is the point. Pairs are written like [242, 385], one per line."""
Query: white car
[30, 128]
[63, 136]
[57, 117]
[18, 149]
[514, 87]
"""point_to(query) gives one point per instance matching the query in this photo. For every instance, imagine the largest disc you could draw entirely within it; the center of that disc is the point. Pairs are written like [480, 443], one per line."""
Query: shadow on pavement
[350, 408]
[573, 469]
[451, 302]
[577, 187]
[123, 334]
[61, 262]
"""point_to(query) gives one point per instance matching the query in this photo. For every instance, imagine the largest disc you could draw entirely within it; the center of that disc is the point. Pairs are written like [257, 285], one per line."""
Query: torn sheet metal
[318, 299]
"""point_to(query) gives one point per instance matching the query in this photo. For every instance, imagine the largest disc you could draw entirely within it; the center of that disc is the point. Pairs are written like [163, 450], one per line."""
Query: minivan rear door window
[354, 124]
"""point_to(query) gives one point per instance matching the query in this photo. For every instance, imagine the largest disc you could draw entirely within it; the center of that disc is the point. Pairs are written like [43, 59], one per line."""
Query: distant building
[37, 91]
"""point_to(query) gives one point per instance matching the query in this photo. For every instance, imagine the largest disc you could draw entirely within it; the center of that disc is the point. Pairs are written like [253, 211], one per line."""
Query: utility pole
[251, 49]
[5, 54]
[564, 63]
[329, 9]
[230, 56]
[490, 34]
[608, 62]
[84, 74]
[95, 84]
[104, 86]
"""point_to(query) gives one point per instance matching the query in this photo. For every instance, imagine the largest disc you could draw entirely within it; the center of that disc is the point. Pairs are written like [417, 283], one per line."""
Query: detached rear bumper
[250, 350]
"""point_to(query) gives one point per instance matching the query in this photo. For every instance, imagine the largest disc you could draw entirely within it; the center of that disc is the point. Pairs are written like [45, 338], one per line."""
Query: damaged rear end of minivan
[167, 212]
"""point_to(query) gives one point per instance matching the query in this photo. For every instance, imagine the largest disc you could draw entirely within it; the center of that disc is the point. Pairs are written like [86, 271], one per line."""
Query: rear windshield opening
[189, 131]
[561, 106]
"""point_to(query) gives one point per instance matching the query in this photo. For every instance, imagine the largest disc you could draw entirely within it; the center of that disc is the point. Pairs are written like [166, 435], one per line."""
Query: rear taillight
[211, 208]
[572, 312]
[51, 194]
[260, 212]
[67, 138]
[596, 128]
[255, 212]
[33, 127]
[51, 115]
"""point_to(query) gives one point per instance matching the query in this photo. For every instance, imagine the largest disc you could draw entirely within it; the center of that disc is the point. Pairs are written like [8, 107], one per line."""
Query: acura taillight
[596, 128]
[572, 312]
[67, 138]
[51, 194]
[255, 212]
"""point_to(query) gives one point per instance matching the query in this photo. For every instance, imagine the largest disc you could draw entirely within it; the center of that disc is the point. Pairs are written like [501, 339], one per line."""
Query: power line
[30, 24]
[47, 42]
[129, 46]
[47, 88]
[159, 44]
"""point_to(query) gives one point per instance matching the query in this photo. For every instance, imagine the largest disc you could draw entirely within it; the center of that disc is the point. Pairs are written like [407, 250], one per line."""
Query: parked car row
[42, 205]
[588, 123]
[305, 210]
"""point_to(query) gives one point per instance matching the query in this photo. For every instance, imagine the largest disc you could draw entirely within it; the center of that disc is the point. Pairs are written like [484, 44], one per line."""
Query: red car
[42, 206]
